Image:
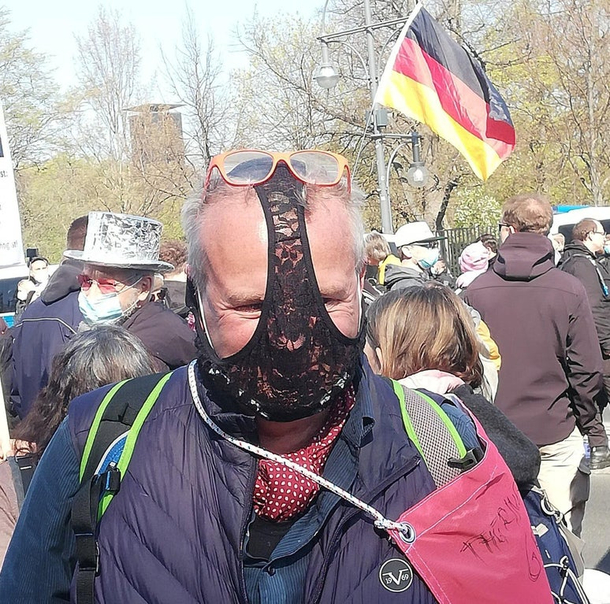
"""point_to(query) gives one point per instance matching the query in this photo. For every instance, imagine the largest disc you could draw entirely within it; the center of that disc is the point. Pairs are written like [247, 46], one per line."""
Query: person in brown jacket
[551, 374]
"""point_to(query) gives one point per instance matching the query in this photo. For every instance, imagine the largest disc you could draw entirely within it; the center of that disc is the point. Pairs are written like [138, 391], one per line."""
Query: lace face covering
[297, 361]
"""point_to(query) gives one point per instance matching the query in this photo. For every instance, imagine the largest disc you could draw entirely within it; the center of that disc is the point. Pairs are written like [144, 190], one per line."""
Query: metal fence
[457, 239]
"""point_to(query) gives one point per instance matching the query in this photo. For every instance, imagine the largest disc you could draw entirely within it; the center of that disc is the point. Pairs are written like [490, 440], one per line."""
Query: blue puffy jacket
[175, 531]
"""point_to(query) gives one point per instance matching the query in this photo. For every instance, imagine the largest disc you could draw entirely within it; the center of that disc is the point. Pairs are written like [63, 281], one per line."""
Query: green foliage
[474, 207]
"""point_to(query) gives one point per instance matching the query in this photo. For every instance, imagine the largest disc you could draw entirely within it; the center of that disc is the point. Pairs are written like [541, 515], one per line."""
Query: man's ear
[405, 252]
[379, 356]
[361, 277]
[145, 286]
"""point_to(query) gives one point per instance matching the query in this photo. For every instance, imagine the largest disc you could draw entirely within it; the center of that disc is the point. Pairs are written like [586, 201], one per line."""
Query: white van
[564, 221]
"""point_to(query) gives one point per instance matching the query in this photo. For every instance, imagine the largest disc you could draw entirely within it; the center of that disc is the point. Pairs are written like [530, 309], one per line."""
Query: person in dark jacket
[209, 511]
[418, 251]
[550, 376]
[580, 258]
[46, 326]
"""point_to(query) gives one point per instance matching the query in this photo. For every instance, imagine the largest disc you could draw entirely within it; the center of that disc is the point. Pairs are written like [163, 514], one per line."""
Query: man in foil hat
[212, 507]
[117, 265]
[418, 251]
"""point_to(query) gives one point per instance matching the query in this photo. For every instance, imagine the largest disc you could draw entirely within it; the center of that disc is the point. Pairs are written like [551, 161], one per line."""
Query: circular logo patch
[396, 575]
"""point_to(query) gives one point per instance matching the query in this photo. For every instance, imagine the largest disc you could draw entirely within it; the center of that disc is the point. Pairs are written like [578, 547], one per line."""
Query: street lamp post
[327, 77]
[384, 197]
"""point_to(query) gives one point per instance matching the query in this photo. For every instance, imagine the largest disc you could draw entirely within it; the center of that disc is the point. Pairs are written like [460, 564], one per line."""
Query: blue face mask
[430, 259]
[104, 309]
[607, 249]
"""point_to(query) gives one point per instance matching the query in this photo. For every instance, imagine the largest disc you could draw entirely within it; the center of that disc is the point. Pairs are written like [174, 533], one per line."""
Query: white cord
[405, 530]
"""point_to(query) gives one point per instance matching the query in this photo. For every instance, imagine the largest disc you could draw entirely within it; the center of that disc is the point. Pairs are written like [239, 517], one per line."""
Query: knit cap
[474, 257]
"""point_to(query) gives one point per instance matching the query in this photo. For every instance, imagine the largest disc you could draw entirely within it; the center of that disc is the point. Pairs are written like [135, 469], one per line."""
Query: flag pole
[384, 185]
[388, 67]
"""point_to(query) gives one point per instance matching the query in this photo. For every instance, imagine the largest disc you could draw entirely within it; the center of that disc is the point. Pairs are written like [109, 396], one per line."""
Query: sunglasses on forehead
[252, 167]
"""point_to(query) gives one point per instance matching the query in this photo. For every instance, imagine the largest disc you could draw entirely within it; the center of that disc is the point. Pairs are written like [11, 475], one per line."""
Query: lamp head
[326, 76]
[417, 175]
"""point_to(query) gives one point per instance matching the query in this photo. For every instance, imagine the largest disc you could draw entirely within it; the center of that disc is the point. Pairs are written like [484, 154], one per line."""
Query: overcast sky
[53, 24]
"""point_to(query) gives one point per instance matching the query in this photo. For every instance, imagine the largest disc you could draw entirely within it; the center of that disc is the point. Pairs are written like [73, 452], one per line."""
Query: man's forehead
[237, 227]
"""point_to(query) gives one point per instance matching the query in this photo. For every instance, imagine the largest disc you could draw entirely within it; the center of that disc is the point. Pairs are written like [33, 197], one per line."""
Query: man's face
[235, 239]
[421, 251]
[39, 271]
[127, 284]
[596, 238]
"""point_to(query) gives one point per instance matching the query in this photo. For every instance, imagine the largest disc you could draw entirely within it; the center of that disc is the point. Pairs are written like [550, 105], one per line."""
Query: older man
[117, 265]
[551, 365]
[580, 259]
[419, 252]
[212, 508]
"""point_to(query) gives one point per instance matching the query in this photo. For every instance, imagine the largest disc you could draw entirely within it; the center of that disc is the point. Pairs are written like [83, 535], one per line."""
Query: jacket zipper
[334, 540]
[244, 525]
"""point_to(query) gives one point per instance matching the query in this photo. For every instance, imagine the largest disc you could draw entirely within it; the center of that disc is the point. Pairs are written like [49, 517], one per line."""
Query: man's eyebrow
[334, 290]
[242, 298]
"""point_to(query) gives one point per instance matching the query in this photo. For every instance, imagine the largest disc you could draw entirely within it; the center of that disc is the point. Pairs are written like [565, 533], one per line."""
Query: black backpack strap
[27, 465]
[117, 413]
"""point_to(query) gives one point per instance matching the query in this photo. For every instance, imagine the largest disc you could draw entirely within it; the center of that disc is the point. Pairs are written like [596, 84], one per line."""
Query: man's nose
[94, 291]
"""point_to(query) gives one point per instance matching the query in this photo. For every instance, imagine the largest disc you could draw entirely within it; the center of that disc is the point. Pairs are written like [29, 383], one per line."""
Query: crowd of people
[282, 410]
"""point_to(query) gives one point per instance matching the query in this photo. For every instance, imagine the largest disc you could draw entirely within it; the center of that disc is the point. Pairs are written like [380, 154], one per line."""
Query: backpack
[113, 434]
[437, 440]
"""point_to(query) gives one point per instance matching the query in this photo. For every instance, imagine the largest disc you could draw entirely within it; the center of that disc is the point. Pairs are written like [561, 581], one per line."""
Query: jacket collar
[524, 256]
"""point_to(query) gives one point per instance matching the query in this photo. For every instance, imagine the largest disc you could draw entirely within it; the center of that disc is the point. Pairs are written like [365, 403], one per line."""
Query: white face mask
[103, 309]
[106, 308]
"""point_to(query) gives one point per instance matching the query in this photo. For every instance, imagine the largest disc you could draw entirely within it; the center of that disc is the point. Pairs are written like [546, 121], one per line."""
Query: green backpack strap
[432, 432]
[124, 409]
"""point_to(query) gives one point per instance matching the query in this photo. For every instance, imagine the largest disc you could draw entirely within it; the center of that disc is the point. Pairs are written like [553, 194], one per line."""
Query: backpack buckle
[110, 480]
[469, 461]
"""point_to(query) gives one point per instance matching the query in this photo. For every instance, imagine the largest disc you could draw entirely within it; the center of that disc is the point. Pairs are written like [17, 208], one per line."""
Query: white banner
[11, 243]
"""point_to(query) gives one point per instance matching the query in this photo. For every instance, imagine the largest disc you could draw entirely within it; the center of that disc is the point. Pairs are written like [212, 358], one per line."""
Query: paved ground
[596, 527]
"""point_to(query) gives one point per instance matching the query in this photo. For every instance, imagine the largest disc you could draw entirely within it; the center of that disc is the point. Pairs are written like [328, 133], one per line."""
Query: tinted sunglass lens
[248, 167]
[315, 167]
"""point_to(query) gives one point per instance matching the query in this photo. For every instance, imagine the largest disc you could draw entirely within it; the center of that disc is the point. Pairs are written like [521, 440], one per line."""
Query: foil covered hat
[122, 241]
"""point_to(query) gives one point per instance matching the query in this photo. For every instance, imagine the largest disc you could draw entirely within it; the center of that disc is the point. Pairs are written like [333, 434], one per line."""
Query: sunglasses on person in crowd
[252, 167]
[106, 286]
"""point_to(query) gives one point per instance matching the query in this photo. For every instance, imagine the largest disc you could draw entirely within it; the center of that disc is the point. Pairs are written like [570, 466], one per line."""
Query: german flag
[432, 79]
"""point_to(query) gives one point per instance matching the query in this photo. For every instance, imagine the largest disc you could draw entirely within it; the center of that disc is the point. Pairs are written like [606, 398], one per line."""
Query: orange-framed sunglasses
[250, 167]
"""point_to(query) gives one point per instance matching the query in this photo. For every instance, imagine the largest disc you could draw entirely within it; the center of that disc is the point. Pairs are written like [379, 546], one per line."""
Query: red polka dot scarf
[281, 493]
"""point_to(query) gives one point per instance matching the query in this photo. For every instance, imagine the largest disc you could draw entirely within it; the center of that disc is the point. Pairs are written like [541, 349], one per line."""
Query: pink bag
[473, 542]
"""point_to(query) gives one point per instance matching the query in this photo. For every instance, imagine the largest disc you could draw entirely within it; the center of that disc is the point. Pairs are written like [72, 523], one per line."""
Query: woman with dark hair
[424, 337]
[103, 355]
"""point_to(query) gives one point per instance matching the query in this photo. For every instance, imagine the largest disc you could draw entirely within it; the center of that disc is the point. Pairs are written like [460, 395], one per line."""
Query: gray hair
[105, 354]
[101, 355]
[194, 208]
